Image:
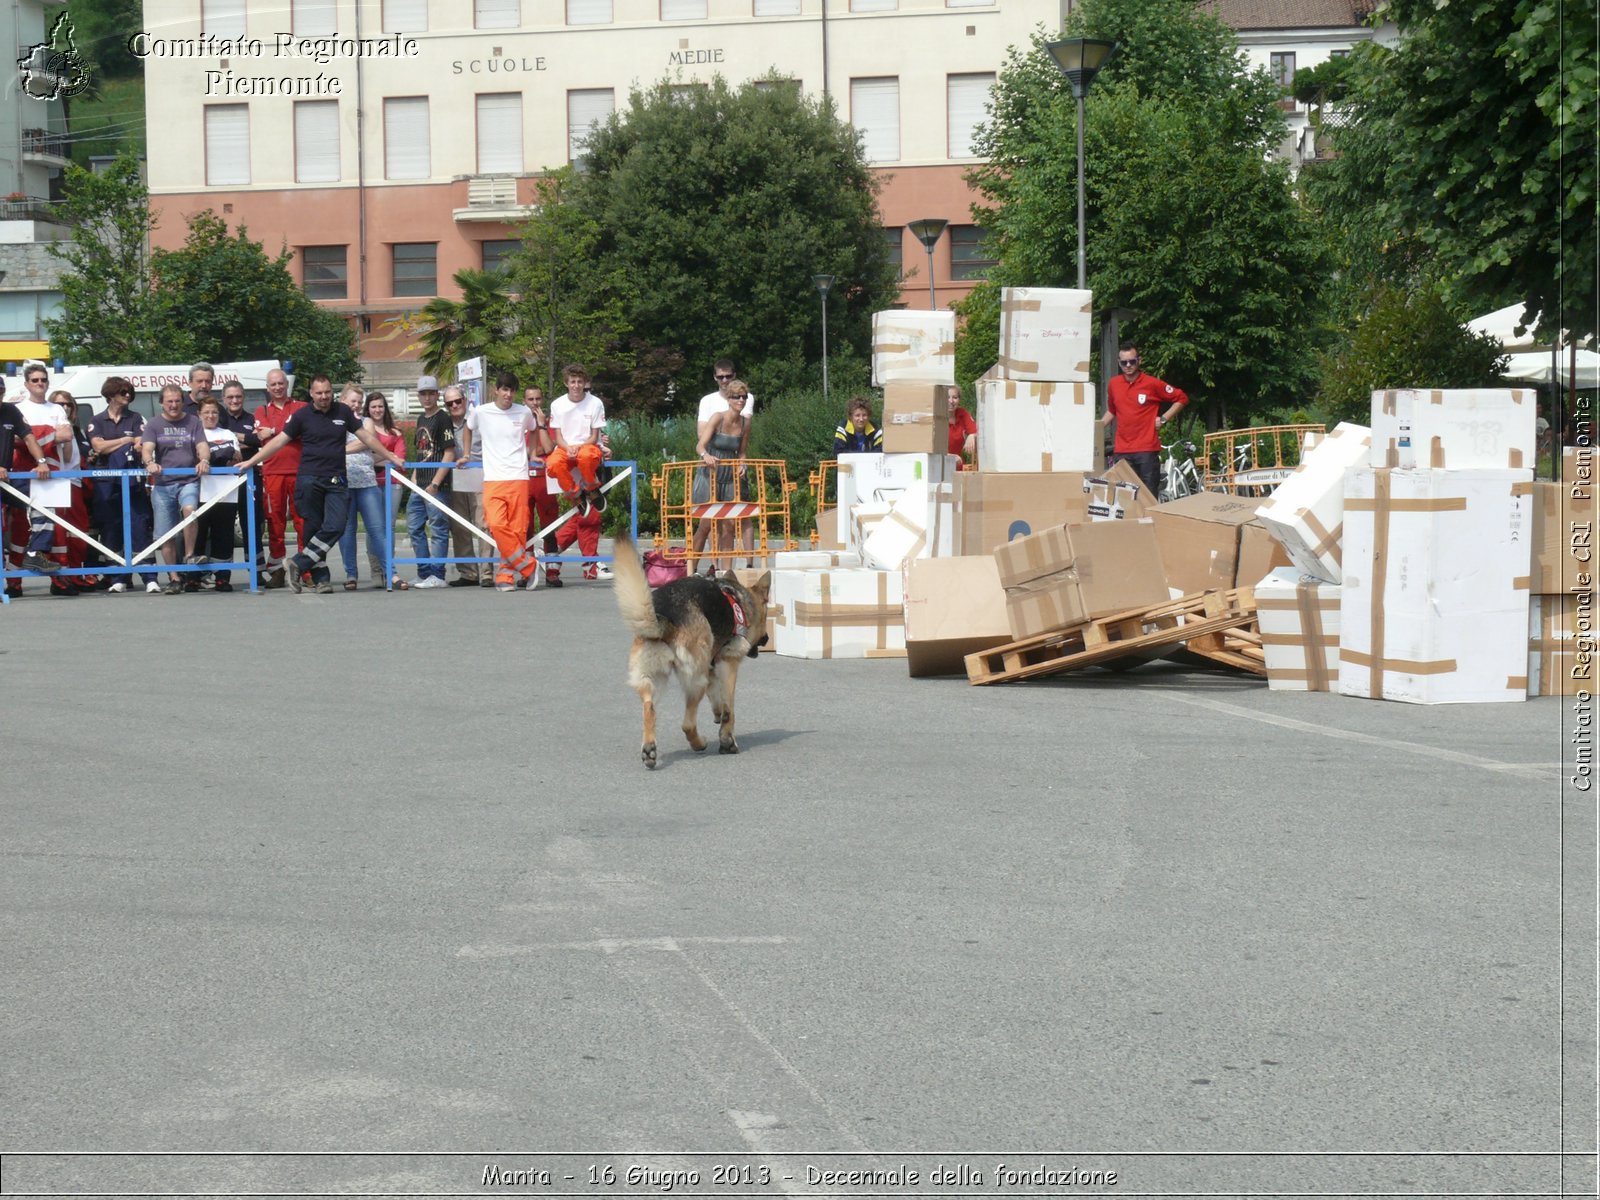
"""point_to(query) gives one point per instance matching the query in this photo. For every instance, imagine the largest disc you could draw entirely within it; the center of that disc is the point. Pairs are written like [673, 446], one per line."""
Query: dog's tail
[633, 591]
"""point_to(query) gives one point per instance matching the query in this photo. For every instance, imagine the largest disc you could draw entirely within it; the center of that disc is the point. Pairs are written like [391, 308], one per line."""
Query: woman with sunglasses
[380, 421]
[366, 496]
[114, 437]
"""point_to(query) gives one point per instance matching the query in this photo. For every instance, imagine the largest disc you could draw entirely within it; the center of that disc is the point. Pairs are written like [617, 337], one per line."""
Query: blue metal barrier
[532, 545]
[128, 566]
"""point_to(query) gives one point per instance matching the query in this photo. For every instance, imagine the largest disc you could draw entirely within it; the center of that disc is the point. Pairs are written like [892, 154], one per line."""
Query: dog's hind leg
[694, 688]
[646, 688]
[727, 675]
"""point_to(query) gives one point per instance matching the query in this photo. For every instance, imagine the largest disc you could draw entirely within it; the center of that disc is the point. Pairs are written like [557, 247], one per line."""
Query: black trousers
[1147, 465]
[324, 506]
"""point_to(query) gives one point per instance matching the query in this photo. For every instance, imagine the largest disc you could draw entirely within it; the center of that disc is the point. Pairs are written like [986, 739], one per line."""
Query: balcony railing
[28, 208]
[42, 141]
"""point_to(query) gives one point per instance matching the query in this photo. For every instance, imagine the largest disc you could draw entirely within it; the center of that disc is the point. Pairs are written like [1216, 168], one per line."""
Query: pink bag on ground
[658, 571]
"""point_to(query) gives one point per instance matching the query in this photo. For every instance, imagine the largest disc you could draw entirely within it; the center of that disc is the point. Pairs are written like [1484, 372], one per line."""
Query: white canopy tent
[1533, 366]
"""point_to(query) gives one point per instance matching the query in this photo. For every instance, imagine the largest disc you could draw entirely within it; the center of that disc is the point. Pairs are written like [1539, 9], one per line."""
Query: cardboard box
[954, 607]
[828, 529]
[1559, 664]
[992, 507]
[814, 560]
[915, 345]
[864, 522]
[916, 418]
[1435, 602]
[1032, 426]
[1460, 429]
[1299, 620]
[1117, 494]
[1259, 555]
[1566, 537]
[1306, 511]
[1045, 334]
[918, 526]
[1072, 573]
[750, 576]
[871, 478]
[1199, 537]
[839, 613]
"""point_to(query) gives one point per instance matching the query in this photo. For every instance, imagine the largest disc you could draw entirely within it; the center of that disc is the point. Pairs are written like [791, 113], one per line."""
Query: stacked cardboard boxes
[1560, 662]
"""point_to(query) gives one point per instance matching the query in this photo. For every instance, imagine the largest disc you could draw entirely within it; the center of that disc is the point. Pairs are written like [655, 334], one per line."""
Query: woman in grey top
[366, 498]
[724, 435]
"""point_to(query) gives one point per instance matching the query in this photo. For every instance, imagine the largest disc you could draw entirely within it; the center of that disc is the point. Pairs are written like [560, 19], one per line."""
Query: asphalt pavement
[370, 893]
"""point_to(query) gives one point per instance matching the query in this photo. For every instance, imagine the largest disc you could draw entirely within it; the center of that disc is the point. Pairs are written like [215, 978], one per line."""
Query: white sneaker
[152, 588]
[505, 587]
[432, 581]
[119, 587]
[534, 580]
[601, 571]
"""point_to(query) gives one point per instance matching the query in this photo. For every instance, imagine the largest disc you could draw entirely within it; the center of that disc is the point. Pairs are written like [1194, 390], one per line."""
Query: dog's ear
[764, 584]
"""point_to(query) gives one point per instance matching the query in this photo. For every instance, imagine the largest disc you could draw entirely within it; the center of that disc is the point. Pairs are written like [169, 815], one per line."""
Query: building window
[405, 138]
[416, 269]
[405, 16]
[227, 145]
[772, 85]
[500, 134]
[969, 3]
[875, 112]
[894, 243]
[967, 96]
[222, 18]
[777, 8]
[324, 273]
[1282, 68]
[969, 257]
[588, 12]
[683, 10]
[497, 255]
[586, 108]
[497, 14]
[314, 18]
[864, 6]
[316, 141]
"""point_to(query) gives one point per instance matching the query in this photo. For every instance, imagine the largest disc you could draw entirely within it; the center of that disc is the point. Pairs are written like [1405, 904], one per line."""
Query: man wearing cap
[428, 526]
[466, 505]
[277, 480]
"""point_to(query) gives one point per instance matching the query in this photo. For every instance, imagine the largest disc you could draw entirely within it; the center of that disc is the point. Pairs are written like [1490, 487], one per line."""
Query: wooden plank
[899, 652]
[979, 670]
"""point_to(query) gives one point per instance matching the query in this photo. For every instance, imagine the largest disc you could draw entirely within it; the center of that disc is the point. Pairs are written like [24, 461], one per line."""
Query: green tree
[719, 205]
[1476, 135]
[480, 324]
[1407, 338]
[1189, 223]
[109, 313]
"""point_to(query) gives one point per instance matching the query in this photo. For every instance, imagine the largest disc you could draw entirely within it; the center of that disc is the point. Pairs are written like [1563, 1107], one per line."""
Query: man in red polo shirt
[1132, 401]
[278, 475]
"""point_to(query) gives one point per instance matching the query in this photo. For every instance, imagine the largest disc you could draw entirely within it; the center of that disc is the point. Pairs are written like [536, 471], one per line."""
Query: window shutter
[967, 96]
[222, 18]
[405, 16]
[874, 5]
[875, 112]
[500, 134]
[227, 145]
[497, 14]
[315, 18]
[777, 8]
[405, 139]
[683, 10]
[316, 141]
[588, 12]
[586, 108]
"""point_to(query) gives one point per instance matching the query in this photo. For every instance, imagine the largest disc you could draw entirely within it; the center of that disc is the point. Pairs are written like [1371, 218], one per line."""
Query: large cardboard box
[1045, 335]
[1259, 555]
[992, 507]
[1306, 511]
[915, 345]
[1559, 663]
[916, 418]
[839, 613]
[881, 478]
[1117, 494]
[828, 529]
[1435, 602]
[814, 560]
[1566, 537]
[954, 607]
[1199, 537]
[918, 526]
[1299, 621]
[1457, 429]
[1073, 573]
[1031, 426]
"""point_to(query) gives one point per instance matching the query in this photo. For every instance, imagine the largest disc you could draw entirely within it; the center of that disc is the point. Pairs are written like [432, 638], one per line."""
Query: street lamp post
[928, 231]
[1080, 60]
[824, 286]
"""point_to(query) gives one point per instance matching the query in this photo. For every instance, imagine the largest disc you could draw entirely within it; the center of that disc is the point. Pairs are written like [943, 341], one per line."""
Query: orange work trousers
[505, 512]
[278, 495]
[589, 458]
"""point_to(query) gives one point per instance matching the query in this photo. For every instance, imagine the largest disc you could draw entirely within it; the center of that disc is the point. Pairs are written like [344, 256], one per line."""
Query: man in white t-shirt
[712, 403]
[576, 421]
[500, 431]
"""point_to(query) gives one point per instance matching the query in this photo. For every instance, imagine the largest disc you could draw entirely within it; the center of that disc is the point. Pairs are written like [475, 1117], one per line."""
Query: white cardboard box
[1033, 426]
[1305, 513]
[1434, 608]
[920, 525]
[871, 478]
[840, 613]
[1460, 429]
[915, 345]
[814, 560]
[864, 521]
[1299, 621]
[1044, 335]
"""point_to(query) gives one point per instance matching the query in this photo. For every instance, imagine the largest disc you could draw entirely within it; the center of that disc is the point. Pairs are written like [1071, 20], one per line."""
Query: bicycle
[1179, 478]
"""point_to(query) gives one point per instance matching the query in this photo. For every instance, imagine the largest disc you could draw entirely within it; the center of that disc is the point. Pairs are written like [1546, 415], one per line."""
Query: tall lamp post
[824, 286]
[928, 231]
[1080, 60]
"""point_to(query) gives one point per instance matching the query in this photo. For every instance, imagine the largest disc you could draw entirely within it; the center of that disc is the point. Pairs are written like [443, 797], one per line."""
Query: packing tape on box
[912, 418]
[1380, 557]
[918, 533]
[1019, 305]
[1379, 665]
[828, 616]
[1314, 637]
[1389, 404]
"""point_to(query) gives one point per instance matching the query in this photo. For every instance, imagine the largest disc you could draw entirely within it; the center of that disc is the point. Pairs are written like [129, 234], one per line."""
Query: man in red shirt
[278, 474]
[1132, 401]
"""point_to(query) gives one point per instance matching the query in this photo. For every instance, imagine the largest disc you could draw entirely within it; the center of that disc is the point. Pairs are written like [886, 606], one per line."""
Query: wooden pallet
[1239, 648]
[1185, 620]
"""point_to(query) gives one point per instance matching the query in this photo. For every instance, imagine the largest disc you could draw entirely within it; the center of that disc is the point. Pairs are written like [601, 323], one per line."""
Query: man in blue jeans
[174, 440]
[436, 442]
[321, 489]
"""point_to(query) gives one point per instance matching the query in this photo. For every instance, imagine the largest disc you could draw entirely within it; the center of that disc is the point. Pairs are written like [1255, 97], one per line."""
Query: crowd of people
[319, 466]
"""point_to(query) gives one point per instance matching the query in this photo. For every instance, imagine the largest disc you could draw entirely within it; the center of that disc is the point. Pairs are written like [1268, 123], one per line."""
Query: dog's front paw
[728, 746]
[648, 754]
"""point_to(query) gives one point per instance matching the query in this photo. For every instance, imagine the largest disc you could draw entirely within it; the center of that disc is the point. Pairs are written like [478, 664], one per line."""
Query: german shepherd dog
[697, 628]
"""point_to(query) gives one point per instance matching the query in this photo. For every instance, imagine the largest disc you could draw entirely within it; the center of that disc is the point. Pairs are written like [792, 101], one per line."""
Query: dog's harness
[741, 627]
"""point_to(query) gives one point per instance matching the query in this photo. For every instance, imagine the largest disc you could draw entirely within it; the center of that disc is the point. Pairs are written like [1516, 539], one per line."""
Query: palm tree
[481, 323]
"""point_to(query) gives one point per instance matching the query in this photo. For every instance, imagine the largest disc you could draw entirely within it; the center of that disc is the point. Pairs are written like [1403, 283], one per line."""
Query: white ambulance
[84, 383]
